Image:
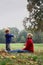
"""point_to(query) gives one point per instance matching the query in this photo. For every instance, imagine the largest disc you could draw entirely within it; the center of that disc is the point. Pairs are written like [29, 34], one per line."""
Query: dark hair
[6, 31]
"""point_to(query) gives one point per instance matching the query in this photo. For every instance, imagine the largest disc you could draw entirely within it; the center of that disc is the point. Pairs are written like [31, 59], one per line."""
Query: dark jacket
[8, 38]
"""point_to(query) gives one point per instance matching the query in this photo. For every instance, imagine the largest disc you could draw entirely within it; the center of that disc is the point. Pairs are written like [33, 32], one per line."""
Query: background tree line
[21, 36]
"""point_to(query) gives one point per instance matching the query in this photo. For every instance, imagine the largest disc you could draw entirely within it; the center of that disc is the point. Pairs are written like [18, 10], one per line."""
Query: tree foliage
[22, 36]
[35, 18]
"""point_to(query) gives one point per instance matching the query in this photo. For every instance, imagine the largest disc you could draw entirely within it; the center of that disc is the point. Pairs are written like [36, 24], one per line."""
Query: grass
[22, 58]
[37, 47]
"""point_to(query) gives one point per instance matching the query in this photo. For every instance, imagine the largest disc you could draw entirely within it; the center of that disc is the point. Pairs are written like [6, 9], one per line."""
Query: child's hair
[29, 35]
[7, 30]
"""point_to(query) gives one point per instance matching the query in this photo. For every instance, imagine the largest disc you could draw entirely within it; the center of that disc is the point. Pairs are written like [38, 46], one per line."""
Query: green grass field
[37, 47]
[22, 58]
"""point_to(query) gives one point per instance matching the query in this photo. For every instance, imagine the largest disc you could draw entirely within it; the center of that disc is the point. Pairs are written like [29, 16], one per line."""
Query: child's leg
[13, 51]
[8, 47]
[19, 51]
[22, 51]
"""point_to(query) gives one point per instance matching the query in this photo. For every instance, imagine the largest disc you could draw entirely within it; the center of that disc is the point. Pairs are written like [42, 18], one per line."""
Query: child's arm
[14, 36]
[11, 35]
[25, 44]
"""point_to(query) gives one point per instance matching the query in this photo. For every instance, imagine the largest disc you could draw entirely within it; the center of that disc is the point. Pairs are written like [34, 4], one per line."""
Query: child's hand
[14, 36]
[23, 47]
[25, 44]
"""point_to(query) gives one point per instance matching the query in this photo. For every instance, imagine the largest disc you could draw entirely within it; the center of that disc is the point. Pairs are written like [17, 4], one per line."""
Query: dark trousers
[8, 47]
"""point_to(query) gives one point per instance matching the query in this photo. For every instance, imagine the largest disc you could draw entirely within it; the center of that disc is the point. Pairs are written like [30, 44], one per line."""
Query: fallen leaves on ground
[20, 58]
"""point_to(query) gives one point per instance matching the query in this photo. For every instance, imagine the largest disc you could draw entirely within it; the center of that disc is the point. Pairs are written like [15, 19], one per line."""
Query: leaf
[13, 57]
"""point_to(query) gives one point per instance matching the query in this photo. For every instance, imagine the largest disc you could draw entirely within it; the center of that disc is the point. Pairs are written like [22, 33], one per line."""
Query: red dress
[29, 45]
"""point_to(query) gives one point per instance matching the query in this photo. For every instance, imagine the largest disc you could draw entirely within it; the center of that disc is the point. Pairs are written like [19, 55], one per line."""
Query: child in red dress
[29, 43]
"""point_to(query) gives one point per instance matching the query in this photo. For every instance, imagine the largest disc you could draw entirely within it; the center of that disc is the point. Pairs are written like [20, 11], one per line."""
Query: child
[29, 43]
[8, 38]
